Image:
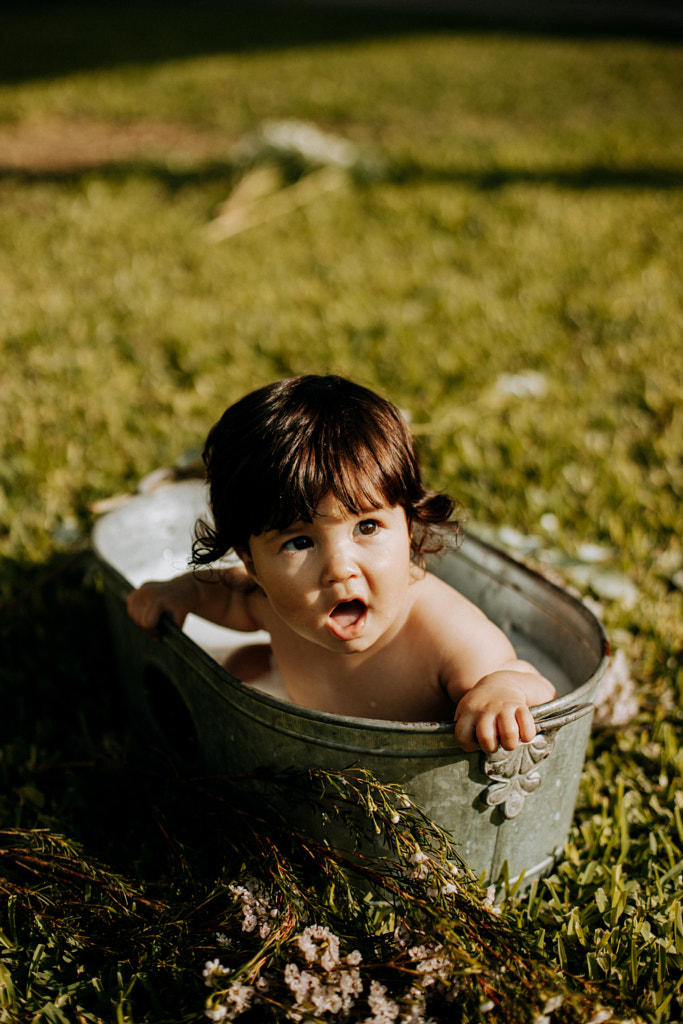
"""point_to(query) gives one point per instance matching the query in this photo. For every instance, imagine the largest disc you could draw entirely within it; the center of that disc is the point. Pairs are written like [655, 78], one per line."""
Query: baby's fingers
[526, 723]
[144, 610]
[514, 725]
[487, 731]
[476, 732]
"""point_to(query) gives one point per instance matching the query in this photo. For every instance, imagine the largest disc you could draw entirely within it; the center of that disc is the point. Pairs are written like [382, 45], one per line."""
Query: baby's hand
[176, 597]
[495, 712]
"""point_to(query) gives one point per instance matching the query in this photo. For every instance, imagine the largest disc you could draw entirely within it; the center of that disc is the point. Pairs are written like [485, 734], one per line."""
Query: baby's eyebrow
[299, 526]
[374, 510]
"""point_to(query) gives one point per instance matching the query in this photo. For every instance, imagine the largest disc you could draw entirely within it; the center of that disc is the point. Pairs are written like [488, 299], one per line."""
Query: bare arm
[222, 596]
[491, 688]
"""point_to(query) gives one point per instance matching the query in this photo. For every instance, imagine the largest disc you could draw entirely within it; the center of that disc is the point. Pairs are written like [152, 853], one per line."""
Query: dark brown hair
[276, 453]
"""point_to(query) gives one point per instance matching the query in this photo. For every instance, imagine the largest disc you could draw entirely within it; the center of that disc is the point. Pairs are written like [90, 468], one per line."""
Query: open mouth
[348, 618]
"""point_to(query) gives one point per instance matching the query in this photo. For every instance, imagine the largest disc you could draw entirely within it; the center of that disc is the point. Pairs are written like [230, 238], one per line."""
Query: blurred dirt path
[55, 146]
[66, 146]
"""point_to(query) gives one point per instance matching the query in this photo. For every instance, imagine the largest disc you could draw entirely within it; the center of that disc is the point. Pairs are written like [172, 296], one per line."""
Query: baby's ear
[245, 555]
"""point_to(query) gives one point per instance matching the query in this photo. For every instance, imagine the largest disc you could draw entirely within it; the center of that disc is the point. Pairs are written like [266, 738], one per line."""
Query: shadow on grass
[108, 858]
[71, 759]
[47, 39]
[65, 740]
[53, 648]
[592, 176]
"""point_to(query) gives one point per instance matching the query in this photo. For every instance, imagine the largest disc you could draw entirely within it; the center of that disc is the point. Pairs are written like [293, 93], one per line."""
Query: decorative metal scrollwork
[513, 773]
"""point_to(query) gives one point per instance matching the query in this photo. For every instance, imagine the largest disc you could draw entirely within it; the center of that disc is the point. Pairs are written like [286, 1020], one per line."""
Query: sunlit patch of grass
[123, 322]
[527, 218]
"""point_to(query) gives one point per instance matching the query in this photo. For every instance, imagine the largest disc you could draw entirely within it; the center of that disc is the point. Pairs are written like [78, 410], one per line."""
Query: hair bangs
[319, 466]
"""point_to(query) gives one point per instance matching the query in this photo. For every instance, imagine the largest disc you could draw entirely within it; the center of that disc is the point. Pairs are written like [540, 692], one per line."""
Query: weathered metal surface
[506, 807]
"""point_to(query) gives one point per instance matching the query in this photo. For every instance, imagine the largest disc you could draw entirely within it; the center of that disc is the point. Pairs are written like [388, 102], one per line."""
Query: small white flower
[490, 896]
[320, 945]
[384, 1011]
[422, 867]
[442, 890]
[218, 1013]
[212, 970]
[553, 1004]
[601, 1016]
[350, 985]
[240, 996]
[256, 907]
[437, 968]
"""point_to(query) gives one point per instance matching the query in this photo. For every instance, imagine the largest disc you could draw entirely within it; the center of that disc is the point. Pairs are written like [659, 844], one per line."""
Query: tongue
[347, 613]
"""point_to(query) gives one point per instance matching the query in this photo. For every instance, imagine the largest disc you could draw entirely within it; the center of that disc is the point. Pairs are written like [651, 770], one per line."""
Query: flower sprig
[424, 937]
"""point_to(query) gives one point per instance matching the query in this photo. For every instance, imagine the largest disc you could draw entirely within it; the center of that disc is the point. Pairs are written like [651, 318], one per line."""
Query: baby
[315, 485]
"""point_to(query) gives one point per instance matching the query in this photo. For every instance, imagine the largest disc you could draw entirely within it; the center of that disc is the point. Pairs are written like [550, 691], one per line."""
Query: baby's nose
[339, 565]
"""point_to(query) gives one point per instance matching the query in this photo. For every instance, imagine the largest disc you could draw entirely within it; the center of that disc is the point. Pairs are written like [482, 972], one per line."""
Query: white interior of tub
[150, 538]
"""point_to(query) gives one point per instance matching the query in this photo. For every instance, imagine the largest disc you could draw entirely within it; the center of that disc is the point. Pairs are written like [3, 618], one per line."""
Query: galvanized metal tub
[513, 807]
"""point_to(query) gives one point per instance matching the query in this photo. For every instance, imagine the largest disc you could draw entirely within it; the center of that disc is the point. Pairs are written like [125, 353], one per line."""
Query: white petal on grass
[528, 384]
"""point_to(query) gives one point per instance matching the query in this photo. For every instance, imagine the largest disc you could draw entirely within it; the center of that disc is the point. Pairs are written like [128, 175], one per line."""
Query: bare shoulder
[246, 605]
[467, 643]
[256, 608]
[440, 602]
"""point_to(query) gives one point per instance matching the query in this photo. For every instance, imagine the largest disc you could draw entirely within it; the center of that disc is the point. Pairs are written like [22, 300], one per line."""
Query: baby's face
[341, 581]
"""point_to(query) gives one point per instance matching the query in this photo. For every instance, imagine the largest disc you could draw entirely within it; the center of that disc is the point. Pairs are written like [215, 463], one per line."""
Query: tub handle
[514, 773]
[546, 724]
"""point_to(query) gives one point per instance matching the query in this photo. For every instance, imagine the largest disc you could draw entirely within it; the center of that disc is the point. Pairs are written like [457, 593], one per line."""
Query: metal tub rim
[550, 714]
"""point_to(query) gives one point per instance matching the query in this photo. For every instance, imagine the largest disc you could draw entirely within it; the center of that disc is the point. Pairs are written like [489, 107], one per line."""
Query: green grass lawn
[520, 210]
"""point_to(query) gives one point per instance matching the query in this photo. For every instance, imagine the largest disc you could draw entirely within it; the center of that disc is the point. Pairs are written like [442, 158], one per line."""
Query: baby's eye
[297, 544]
[368, 527]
